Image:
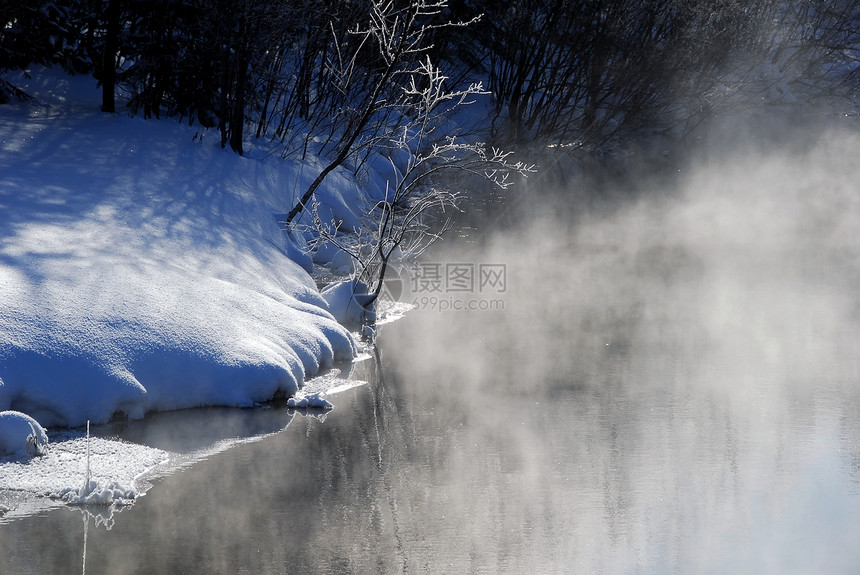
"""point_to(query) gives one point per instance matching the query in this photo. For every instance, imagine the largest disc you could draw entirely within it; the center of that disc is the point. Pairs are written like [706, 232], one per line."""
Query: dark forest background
[560, 72]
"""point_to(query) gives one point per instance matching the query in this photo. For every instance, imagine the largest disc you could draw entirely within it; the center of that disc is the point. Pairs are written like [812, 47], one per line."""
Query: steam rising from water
[697, 344]
[748, 263]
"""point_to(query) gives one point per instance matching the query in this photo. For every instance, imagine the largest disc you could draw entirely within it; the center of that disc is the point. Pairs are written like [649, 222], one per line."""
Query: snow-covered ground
[143, 268]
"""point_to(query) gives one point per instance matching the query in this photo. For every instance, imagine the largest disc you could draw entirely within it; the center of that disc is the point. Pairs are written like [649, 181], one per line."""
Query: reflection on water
[625, 465]
[669, 389]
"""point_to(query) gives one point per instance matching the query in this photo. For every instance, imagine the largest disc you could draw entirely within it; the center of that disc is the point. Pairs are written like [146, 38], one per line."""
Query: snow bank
[143, 268]
[21, 435]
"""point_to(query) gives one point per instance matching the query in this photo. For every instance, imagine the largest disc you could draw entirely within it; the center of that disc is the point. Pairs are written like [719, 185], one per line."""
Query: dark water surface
[664, 391]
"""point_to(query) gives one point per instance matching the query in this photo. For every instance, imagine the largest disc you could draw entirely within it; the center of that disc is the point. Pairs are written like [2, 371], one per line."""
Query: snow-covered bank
[143, 268]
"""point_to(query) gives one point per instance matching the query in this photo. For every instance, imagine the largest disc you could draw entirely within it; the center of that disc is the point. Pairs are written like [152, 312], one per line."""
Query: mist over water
[674, 378]
[670, 387]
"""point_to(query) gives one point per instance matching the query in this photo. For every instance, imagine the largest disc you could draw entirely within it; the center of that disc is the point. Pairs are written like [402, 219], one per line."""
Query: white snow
[21, 435]
[347, 300]
[143, 268]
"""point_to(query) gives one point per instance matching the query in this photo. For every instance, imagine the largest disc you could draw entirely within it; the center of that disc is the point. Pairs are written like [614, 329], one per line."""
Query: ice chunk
[312, 400]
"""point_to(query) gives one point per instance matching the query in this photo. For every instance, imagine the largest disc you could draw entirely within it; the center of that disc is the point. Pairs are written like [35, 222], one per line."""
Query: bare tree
[395, 36]
[415, 207]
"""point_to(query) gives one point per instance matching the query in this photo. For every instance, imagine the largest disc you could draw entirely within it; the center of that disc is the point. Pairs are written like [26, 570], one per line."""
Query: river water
[667, 385]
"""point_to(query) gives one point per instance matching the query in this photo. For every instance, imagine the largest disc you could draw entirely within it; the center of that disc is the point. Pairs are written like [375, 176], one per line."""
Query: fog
[670, 386]
[692, 342]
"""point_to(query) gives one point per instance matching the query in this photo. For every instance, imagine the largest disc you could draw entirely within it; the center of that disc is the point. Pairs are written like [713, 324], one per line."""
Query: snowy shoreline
[142, 267]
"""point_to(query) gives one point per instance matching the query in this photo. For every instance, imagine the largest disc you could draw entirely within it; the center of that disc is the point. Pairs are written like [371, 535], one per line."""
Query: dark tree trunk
[237, 113]
[109, 57]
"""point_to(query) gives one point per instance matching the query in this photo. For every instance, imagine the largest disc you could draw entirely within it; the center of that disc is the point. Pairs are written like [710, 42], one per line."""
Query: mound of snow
[21, 435]
[348, 302]
[142, 267]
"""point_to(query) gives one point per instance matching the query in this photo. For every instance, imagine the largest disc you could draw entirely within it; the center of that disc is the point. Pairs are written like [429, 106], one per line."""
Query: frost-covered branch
[400, 32]
[416, 207]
